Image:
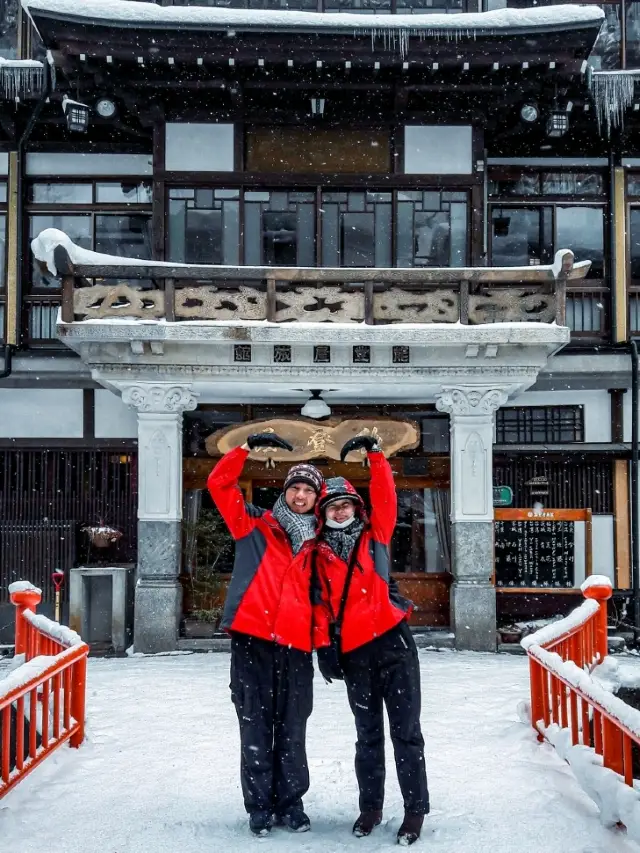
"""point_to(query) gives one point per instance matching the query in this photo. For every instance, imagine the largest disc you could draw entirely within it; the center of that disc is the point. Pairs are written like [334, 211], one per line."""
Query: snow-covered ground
[160, 770]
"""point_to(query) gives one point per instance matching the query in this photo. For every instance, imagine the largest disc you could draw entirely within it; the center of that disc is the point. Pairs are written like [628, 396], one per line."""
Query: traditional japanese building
[351, 214]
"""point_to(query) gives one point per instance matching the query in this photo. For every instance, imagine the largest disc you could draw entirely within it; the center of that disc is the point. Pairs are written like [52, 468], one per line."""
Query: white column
[473, 604]
[158, 595]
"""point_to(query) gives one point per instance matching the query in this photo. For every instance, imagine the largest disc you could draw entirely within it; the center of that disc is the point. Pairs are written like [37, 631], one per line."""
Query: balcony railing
[375, 296]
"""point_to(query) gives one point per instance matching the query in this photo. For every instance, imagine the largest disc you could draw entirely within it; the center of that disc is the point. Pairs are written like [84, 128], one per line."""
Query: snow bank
[556, 630]
[616, 801]
[124, 12]
[60, 633]
[23, 586]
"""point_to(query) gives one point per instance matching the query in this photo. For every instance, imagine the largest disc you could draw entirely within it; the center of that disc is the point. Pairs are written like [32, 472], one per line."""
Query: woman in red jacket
[373, 648]
[268, 614]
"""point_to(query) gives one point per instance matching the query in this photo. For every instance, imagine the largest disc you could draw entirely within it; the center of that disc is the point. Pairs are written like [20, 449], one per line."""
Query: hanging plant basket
[102, 536]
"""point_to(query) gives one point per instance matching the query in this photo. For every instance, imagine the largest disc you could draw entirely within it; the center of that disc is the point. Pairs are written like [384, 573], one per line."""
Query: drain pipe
[635, 525]
[44, 97]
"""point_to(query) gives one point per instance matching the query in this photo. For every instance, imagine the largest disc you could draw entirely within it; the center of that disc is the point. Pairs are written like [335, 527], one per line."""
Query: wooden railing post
[600, 593]
[24, 599]
[78, 694]
[537, 699]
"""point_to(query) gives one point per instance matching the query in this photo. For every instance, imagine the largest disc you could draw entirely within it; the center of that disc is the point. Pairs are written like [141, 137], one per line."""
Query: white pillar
[158, 597]
[473, 601]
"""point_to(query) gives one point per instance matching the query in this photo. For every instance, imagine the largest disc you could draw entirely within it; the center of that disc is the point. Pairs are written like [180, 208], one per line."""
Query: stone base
[158, 599]
[158, 603]
[473, 596]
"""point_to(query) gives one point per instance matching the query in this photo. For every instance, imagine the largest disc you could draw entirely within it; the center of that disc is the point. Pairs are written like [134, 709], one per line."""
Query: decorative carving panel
[320, 305]
[513, 304]
[117, 300]
[216, 303]
[405, 306]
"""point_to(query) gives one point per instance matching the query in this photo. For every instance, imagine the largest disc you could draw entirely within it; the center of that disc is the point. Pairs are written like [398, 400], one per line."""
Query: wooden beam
[14, 263]
[620, 330]
[621, 524]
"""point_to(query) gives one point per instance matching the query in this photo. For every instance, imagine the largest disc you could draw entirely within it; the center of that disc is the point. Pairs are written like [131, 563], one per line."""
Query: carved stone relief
[404, 306]
[119, 300]
[162, 399]
[320, 305]
[214, 303]
[518, 305]
[470, 401]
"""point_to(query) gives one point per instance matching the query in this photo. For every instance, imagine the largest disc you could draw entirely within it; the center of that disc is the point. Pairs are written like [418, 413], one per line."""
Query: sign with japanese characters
[313, 440]
[537, 549]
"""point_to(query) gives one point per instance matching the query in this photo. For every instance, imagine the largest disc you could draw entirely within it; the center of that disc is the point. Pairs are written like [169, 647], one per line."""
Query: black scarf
[343, 541]
[299, 527]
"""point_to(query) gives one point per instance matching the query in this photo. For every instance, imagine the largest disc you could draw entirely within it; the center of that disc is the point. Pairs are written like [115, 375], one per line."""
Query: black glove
[356, 443]
[329, 664]
[267, 439]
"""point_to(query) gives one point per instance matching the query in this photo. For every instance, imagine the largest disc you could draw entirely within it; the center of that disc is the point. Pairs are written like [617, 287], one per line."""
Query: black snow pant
[272, 690]
[386, 670]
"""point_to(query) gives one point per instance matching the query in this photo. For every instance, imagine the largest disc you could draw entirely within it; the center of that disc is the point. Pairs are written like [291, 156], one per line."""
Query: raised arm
[382, 489]
[384, 501]
[227, 494]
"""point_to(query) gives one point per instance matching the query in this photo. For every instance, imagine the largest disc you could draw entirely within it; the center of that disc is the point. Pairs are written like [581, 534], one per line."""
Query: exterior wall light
[317, 106]
[76, 114]
[315, 407]
[106, 108]
[529, 113]
[557, 124]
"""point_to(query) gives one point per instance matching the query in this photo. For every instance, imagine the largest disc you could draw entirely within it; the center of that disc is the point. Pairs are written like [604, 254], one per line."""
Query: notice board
[536, 550]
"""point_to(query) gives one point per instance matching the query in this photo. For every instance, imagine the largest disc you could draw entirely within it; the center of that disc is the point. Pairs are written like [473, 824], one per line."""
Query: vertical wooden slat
[6, 742]
[20, 733]
[621, 522]
[33, 727]
[619, 319]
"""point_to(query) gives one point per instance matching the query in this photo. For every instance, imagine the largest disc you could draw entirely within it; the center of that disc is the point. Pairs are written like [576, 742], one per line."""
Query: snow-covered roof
[127, 13]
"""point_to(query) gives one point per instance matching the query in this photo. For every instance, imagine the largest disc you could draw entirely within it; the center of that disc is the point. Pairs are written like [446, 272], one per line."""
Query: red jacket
[269, 591]
[373, 605]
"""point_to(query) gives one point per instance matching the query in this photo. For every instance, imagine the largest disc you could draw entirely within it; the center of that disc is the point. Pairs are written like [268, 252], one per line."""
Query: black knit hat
[303, 472]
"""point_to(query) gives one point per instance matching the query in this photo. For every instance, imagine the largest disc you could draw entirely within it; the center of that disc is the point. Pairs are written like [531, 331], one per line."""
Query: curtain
[443, 524]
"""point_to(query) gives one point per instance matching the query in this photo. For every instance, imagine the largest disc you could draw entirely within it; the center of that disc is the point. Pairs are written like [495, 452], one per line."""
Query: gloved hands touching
[267, 439]
[329, 664]
[367, 441]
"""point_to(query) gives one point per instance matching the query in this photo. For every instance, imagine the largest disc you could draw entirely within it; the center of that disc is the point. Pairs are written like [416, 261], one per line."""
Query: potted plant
[102, 535]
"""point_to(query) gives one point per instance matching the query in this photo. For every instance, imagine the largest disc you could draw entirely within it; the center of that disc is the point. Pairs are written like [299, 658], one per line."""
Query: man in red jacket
[361, 633]
[268, 614]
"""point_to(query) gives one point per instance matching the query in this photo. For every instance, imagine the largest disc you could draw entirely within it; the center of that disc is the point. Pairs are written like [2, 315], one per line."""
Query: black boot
[409, 832]
[366, 823]
[260, 823]
[295, 820]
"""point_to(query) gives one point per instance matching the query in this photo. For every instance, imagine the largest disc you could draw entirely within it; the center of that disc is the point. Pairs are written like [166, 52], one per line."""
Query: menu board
[538, 553]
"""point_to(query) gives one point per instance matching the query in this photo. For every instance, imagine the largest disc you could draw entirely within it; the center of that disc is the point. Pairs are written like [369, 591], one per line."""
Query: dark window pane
[633, 35]
[358, 240]
[540, 425]
[124, 193]
[581, 229]
[279, 228]
[77, 228]
[516, 237]
[606, 53]
[204, 226]
[9, 28]
[61, 193]
[634, 242]
[431, 230]
[3, 193]
[3, 240]
[507, 184]
[125, 236]
[572, 183]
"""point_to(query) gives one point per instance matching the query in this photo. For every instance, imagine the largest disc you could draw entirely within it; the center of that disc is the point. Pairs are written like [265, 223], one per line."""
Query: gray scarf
[342, 542]
[299, 527]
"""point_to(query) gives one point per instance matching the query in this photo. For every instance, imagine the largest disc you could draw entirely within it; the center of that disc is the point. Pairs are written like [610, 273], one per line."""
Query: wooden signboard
[313, 440]
[536, 550]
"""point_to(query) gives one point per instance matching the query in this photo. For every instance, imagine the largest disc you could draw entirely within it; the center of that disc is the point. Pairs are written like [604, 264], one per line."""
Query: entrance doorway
[420, 550]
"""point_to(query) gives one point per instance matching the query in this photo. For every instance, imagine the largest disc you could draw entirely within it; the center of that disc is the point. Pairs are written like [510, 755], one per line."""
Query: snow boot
[366, 823]
[260, 823]
[295, 820]
[409, 832]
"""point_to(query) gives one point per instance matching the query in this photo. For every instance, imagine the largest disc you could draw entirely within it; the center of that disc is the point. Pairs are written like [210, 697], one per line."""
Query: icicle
[19, 79]
[397, 38]
[612, 93]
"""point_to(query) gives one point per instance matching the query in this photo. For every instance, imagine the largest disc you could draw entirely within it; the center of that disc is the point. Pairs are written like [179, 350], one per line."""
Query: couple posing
[313, 573]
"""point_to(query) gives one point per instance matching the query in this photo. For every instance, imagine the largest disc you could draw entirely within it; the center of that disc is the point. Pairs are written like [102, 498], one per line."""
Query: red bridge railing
[42, 700]
[566, 699]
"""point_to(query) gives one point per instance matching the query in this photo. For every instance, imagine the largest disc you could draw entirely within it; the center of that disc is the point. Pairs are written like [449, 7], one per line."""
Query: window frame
[525, 421]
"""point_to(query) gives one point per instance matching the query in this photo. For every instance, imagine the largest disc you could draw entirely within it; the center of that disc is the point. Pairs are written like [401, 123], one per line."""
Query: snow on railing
[590, 728]
[42, 700]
